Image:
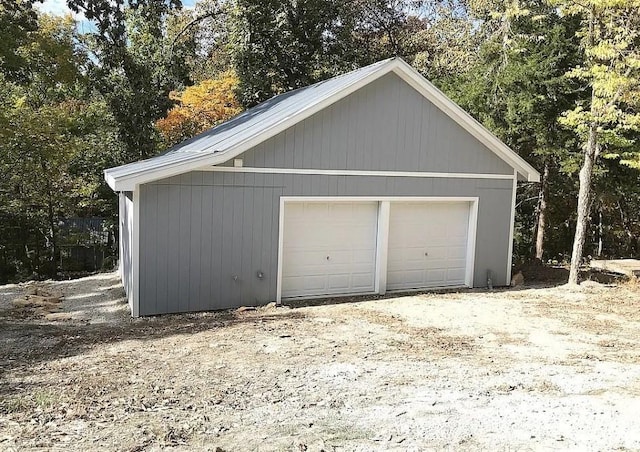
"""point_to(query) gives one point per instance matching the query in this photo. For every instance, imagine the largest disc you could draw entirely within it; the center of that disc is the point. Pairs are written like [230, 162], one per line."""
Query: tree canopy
[556, 80]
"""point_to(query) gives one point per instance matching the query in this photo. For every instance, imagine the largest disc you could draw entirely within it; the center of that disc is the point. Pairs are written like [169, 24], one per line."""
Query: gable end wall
[384, 126]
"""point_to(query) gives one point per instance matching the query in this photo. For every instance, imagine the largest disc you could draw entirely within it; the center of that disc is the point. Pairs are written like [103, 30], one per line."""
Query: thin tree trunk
[584, 195]
[53, 271]
[600, 233]
[54, 240]
[542, 212]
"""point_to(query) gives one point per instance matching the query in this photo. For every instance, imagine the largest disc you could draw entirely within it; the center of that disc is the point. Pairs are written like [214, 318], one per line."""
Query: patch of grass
[45, 398]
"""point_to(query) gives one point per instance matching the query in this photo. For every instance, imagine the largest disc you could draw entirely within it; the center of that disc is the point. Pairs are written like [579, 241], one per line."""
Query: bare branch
[191, 24]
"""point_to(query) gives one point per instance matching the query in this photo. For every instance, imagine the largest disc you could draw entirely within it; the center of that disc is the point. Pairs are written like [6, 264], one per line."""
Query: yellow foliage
[199, 108]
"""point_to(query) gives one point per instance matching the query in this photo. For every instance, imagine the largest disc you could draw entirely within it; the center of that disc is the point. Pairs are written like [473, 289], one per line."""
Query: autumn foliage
[199, 108]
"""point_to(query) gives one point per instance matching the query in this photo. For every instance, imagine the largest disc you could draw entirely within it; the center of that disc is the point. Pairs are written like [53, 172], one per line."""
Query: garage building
[370, 182]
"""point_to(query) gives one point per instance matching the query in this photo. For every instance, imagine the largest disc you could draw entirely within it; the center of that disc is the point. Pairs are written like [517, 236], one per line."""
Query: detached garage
[369, 182]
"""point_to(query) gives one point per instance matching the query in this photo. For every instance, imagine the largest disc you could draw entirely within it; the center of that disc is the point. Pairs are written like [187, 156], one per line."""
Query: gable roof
[257, 124]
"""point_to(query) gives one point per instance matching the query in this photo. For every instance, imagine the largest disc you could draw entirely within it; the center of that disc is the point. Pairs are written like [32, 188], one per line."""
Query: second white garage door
[427, 244]
[329, 248]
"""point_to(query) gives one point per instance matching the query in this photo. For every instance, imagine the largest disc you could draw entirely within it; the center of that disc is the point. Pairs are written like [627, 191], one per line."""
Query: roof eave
[128, 182]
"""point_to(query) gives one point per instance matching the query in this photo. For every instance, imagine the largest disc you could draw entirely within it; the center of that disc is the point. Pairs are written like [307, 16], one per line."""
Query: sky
[56, 7]
[60, 8]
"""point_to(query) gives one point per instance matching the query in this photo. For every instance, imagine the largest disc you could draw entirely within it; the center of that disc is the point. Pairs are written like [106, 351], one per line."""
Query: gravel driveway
[528, 369]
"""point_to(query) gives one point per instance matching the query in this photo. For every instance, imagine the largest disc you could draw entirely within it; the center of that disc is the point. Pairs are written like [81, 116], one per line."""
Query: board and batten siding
[384, 126]
[125, 265]
[205, 235]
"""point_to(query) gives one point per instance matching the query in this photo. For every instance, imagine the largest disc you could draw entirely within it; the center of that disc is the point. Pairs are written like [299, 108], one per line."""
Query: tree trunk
[584, 195]
[542, 212]
[53, 270]
[51, 219]
[600, 233]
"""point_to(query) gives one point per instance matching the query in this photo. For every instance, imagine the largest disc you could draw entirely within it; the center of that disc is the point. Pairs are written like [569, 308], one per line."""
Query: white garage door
[329, 248]
[427, 244]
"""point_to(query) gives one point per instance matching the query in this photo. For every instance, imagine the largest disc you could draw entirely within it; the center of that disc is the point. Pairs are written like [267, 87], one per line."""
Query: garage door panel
[427, 244]
[460, 229]
[436, 252]
[363, 280]
[338, 257]
[313, 211]
[435, 277]
[400, 277]
[304, 256]
[413, 254]
[338, 283]
[363, 256]
[410, 265]
[292, 285]
[345, 232]
[437, 231]
[437, 242]
[456, 274]
[456, 252]
[348, 236]
[342, 210]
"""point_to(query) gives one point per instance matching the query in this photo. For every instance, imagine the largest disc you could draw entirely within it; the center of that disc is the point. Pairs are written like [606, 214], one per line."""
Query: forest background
[114, 82]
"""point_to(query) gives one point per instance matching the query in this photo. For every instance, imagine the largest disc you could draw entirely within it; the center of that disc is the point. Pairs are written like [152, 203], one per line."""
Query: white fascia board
[111, 182]
[128, 182]
[464, 119]
[173, 168]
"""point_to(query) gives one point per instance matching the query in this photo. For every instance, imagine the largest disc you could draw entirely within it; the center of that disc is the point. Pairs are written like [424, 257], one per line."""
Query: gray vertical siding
[126, 240]
[206, 235]
[219, 232]
[386, 126]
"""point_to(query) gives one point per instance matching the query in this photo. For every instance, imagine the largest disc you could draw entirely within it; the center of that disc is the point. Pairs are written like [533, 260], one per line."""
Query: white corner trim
[471, 242]
[512, 225]
[121, 208]
[280, 251]
[382, 247]
[135, 253]
[333, 172]
[111, 182]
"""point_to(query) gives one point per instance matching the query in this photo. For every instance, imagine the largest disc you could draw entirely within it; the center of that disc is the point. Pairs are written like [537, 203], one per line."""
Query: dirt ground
[531, 368]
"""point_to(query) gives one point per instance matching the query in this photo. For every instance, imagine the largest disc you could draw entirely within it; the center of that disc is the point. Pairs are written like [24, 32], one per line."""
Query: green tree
[17, 20]
[517, 89]
[135, 64]
[279, 45]
[56, 137]
[608, 122]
